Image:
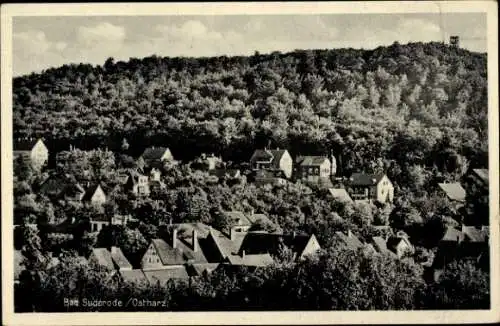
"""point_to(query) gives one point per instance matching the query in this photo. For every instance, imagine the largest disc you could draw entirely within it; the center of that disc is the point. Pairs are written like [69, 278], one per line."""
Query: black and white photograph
[202, 158]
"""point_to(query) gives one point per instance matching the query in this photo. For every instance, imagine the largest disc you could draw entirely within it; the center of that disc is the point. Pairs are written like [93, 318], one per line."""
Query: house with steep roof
[380, 245]
[137, 183]
[62, 187]
[400, 245]
[161, 254]
[371, 187]
[348, 239]
[110, 259]
[34, 150]
[340, 194]
[272, 160]
[314, 168]
[155, 157]
[453, 191]
[257, 249]
[94, 195]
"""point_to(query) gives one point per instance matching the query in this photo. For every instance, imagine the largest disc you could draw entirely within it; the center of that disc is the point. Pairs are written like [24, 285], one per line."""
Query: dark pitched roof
[119, 258]
[311, 160]
[162, 276]
[25, 144]
[255, 260]
[268, 155]
[365, 179]
[454, 191]
[182, 254]
[103, 257]
[186, 229]
[154, 153]
[255, 243]
[351, 241]
[452, 234]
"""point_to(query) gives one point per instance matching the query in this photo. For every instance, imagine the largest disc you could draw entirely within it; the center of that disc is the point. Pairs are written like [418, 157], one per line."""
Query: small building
[155, 157]
[272, 160]
[137, 183]
[113, 259]
[349, 240]
[162, 276]
[273, 178]
[225, 173]
[371, 187]
[340, 194]
[34, 150]
[94, 195]
[101, 220]
[161, 254]
[314, 168]
[453, 191]
[400, 245]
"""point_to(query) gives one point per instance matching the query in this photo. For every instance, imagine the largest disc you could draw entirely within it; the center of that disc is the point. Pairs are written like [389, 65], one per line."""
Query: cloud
[30, 42]
[101, 33]
[191, 29]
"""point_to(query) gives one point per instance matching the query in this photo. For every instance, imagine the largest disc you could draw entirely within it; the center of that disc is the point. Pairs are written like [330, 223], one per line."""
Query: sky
[43, 42]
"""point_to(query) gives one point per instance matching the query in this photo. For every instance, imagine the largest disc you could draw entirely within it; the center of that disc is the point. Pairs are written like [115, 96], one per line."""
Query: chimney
[349, 233]
[231, 234]
[170, 221]
[114, 250]
[195, 240]
[243, 254]
[174, 239]
[252, 211]
[294, 234]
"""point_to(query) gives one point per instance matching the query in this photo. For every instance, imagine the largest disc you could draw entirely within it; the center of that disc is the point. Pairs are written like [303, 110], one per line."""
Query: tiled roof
[311, 160]
[340, 194]
[103, 257]
[454, 191]
[268, 155]
[154, 153]
[119, 258]
[379, 244]
[133, 275]
[365, 179]
[167, 254]
[59, 184]
[24, 144]
[225, 245]
[257, 260]
[162, 276]
[352, 242]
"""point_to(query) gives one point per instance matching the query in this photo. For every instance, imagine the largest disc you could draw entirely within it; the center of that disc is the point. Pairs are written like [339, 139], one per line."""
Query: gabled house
[34, 150]
[155, 157]
[314, 168]
[371, 187]
[239, 222]
[348, 239]
[257, 249]
[161, 254]
[272, 160]
[94, 195]
[113, 259]
[454, 192]
[380, 245]
[400, 245]
[62, 187]
[137, 183]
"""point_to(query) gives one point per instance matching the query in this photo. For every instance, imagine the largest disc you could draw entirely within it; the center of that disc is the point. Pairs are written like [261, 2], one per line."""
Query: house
[348, 239]
[239, 222]
[155, 157]
[99, 221]
[94, 195]
[225, 174]
[34, 150]
[272, 160]
[340, 194]
[110, 259]
[274, 178]
[257, 249]
[211, 161]
[161, 254]
[137, 183]
[372, 187]
[400, 245]
[314, 168]
[62, 187]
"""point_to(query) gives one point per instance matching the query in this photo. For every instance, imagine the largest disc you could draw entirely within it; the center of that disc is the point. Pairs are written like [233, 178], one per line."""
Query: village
[246, 239]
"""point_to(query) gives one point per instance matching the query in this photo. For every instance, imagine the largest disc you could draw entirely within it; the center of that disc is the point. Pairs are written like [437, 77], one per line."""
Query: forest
[417, 112]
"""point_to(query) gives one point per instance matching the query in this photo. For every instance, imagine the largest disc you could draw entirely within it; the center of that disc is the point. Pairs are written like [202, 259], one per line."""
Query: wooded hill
[392, 108]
